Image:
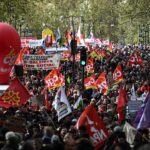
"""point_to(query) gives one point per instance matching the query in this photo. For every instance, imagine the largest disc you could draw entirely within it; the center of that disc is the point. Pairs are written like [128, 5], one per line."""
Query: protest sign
[41, 62]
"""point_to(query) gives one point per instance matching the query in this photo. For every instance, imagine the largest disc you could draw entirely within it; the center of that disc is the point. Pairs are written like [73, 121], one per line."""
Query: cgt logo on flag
[52, 80]
[102, 83]
[118, 75]
[90, 66]
[89, 82]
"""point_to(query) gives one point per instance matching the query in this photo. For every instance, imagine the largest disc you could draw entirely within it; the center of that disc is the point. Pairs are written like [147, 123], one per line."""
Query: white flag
[130, 132]
[78, 103]
[81, 37]
[133, 94]
[61, 104]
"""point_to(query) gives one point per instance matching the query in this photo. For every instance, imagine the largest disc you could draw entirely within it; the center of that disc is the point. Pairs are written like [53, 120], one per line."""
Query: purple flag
[140, 113]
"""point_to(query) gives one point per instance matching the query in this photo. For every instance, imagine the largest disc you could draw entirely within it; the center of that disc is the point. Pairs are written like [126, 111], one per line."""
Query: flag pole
[50, 119]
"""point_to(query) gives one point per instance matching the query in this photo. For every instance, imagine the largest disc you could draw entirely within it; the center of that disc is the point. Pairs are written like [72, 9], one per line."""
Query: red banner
[118, 75]
[52, 80]
[102, 83]
[94, 126]
[89, 82]
[15, 95]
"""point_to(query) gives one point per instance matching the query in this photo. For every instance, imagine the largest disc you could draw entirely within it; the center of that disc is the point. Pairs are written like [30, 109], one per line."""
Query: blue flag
[142, 119]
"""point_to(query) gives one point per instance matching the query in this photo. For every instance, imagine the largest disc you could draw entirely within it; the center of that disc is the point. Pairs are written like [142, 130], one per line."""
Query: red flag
[15, 95]
[94, 126]
[47, 104]
[118, 75]
[89, 82]
[121, 103]
[59, 69]
[90, 66]
[132, 60]
[102, 83]
[52, 80]
[62, 79]
[19, 59]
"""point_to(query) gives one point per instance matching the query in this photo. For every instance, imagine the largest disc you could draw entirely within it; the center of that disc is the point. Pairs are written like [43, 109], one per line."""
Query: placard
[25, 41]
[134, 106]
[36, 43]
[41, 62]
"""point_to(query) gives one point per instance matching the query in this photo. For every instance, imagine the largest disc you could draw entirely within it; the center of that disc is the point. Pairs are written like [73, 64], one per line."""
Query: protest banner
[37, 43]
[41, 62]
[25, 41]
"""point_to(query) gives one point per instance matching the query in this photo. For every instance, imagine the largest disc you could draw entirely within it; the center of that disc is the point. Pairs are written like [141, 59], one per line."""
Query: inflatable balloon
[10, 46]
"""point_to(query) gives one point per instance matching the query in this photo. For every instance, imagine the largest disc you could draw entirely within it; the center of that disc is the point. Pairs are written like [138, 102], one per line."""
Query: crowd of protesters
[44, 132]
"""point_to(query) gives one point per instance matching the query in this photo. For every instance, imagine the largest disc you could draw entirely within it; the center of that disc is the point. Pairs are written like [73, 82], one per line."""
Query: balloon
[10, 46]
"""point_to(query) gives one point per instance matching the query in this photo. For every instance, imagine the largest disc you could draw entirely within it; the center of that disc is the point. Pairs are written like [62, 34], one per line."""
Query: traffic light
[83, 56]
[73, 45]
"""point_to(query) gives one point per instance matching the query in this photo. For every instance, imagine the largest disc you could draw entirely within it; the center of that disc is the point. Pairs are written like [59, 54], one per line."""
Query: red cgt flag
[52, 80]
[118, 75]
[15, 95]
[102, 83]
[89, 82]
[90, 66]
[94, 126]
